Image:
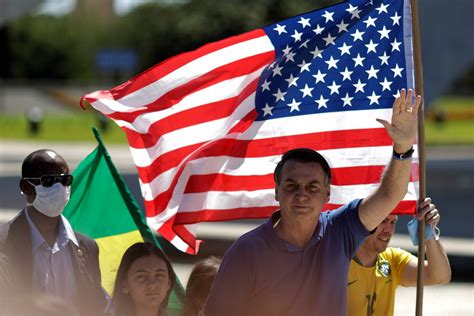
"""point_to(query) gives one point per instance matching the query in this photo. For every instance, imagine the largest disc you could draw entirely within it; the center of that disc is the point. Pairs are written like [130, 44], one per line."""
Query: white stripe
[186, 73]
[194, 134]
[220, 91]
[193, 202]
[179, 243]
[226, 200]
[347, 193]
[316, 123]
[337, 158]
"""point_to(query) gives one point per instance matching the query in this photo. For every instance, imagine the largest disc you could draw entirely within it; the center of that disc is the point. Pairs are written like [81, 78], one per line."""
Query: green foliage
[64, 48]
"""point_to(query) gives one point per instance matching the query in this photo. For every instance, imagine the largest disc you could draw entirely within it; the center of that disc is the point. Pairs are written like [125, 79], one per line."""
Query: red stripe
[269, 146]
[162, 69]
[226, 72]
[187, 237]
[215, 215]
[404, 207]
[194, 116]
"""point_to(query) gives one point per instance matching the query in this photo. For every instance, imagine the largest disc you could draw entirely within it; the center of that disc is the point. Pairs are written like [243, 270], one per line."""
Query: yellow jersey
[371, 290]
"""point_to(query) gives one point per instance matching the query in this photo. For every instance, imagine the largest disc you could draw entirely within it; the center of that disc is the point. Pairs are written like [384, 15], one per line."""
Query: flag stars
[395, 45]
[354, 12]
[372, 72]
[265, 85]
[386, 84]
[267, 110]
[292, 81]
[290, 56]
[345, 49]
[280, 29]
[396, 19]
[329, 39]
[397, 71]
[307, 91]
[317, 52]
[304, 22]
[279, 96]
[370, 21]
[382, 8]
[305, 44]
[318, 30]
[334, 88]
[359, 86]
[347, 100]
[319, 77]
[332, 63]
[297, 36]
[342, 26]
[384, 32]
[384, 59]
[346, 74]
[358, 61]
[277, 70]
[357, 35]
[322, 102]
[371, 47]
[304, 66]
[374, 98]
[286, 50]
[328, 16]
[294, 106]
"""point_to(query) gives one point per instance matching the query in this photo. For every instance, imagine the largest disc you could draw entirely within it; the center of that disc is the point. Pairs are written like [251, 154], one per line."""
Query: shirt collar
[279, 244]
[65, 233]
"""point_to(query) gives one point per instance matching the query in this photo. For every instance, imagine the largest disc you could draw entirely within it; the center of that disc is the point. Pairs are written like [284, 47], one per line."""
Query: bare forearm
[437, 268]
[391, 191]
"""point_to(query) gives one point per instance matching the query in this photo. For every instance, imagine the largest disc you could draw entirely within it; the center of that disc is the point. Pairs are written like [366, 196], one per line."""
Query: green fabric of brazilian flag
[102, 207]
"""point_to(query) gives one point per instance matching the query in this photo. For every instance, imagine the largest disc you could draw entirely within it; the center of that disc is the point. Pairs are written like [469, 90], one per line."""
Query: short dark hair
[121, 302]
[302, 155]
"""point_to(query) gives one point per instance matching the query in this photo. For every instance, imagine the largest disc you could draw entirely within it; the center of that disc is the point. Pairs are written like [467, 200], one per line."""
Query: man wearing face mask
[45, 255]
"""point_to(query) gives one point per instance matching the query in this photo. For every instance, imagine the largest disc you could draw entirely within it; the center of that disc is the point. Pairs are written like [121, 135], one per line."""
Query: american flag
[206, 128]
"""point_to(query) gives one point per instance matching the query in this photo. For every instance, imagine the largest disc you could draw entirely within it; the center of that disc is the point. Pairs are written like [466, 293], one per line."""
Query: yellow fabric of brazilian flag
[102, 207]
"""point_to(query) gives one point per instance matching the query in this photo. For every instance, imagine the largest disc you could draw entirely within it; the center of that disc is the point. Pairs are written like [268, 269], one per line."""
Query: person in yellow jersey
[377, 270]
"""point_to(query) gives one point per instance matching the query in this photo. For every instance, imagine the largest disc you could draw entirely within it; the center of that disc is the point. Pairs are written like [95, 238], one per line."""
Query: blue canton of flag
[341, 58]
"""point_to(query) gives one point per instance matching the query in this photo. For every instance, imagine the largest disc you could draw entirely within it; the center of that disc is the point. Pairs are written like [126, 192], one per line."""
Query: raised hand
[403, 127]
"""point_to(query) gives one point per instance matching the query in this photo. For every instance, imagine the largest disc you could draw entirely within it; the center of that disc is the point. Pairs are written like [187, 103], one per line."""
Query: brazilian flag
[102, 207]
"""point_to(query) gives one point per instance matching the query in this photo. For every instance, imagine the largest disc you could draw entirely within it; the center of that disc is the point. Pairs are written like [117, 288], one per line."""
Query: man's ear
[27, 188]
[328, 194]
[276, 195]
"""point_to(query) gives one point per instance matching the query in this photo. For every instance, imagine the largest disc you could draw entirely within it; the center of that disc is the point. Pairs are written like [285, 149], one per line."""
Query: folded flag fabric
[102, 207]
[206, 128]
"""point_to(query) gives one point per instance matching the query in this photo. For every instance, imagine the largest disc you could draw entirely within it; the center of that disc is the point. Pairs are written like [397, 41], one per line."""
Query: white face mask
[51, 201]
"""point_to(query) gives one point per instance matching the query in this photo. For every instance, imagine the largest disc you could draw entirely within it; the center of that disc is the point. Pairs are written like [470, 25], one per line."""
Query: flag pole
[421, 153]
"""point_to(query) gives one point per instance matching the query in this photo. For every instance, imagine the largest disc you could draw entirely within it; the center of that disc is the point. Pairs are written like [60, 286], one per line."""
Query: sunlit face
[380, 239]
[148, 281]
[302, 189]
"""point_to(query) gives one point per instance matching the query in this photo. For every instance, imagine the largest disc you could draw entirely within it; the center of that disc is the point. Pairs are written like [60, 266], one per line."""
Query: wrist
[406, 155]
[402, 148]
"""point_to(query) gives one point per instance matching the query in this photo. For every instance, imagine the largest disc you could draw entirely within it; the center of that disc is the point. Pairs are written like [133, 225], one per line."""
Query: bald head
[43, 161]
